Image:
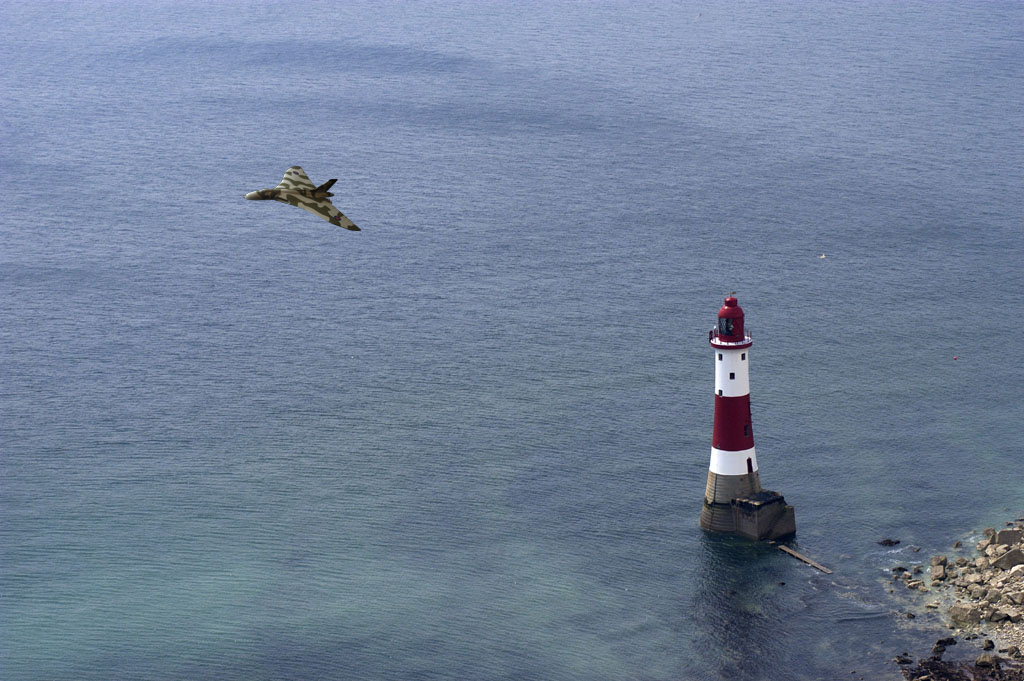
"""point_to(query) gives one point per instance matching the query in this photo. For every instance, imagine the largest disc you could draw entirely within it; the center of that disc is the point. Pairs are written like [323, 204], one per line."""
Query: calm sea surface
[470, 442]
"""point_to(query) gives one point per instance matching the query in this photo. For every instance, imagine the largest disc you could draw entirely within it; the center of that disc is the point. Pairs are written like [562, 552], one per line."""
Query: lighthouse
[734, 501]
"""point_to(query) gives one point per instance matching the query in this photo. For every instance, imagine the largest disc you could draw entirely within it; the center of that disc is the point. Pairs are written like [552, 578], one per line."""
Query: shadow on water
[761, 611]
[742, 634]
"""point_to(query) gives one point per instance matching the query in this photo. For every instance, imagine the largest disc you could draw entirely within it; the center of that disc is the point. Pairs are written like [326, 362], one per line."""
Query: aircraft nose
[253, 196]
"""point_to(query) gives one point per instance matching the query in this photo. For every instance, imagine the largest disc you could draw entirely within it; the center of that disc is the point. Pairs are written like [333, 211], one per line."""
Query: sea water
[471, 440]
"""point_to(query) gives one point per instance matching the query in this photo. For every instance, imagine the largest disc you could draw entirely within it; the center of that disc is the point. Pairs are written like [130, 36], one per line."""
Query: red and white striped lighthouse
[733, 488]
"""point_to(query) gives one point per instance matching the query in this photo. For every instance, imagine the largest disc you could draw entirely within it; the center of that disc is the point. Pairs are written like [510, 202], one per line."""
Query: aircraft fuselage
[281, 194]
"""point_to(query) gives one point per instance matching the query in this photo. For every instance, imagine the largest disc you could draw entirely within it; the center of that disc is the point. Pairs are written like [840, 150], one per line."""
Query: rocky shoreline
[982, 597]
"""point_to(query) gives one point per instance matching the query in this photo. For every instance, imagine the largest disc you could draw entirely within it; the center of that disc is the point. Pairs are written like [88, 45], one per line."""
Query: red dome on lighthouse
[730, 321]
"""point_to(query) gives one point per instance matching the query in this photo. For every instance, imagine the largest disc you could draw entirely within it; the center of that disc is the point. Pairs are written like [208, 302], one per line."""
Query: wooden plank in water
[805, 559]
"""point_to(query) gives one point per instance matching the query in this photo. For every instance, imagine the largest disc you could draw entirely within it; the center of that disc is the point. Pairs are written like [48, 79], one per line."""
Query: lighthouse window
[732, 376]
[725, 326]
[743, 356]
[719, 392]
[746, 431]
[719, 357]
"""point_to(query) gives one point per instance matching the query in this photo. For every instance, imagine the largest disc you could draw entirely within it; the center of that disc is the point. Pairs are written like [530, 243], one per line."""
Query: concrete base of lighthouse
[736, 504]
[717, 515]
[761, 516]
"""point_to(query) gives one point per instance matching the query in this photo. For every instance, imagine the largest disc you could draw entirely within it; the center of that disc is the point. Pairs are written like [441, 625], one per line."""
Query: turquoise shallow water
[471, 440]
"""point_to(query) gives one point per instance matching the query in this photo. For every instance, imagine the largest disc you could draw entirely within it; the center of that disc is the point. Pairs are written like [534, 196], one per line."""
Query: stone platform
[763, 515]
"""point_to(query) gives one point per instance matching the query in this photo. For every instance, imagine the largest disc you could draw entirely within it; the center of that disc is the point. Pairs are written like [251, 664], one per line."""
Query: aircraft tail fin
[326, 186]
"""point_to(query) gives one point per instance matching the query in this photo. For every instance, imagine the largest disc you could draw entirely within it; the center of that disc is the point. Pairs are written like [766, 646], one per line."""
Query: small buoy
[821, 257]
[955, 357]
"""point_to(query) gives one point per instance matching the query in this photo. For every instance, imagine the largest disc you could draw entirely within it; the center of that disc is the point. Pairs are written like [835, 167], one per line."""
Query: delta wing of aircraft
[296, 189]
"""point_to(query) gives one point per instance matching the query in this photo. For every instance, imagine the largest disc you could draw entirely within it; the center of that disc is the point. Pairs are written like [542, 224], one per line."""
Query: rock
[983, 544]
[981, 563]
[964, 613]
[889, 542]
[938, 560]
[974, 578]
[1013, 651]
[961, 561]
[992, 595]
[1016, 598]
[976, 591]
[989, 644]
[938, 572]
[1010, 559]
[931, 605]
[996, 550]
[1008, 536]
[946, 641]
[1016, 569]
[989, 532]
[997, 616]
[937, 651]
[911, 616]
[957, 544]
[987, 660]
[903, 659]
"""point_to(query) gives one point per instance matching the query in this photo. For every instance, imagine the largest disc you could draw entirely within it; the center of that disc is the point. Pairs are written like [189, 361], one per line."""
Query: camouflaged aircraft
[297, 190]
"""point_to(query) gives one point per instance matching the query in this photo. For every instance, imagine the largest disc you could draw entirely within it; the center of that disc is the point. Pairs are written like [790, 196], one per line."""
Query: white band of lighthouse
[732, 378]
[732, 463]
